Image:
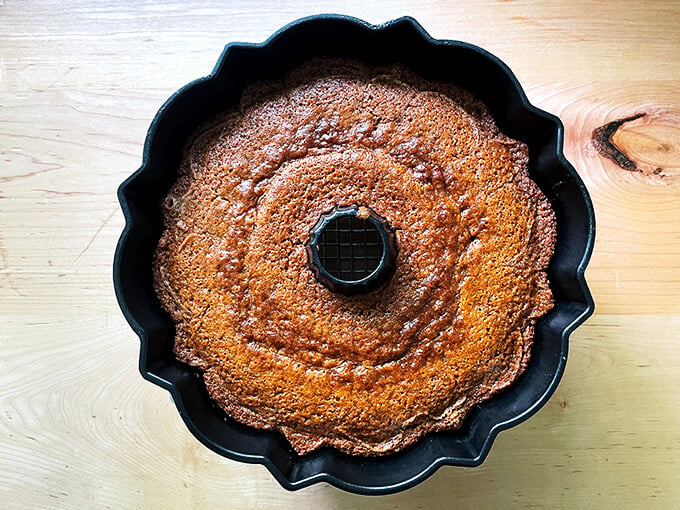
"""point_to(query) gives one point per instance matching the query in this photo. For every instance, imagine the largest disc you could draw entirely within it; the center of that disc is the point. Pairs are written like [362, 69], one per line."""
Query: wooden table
[79, 85]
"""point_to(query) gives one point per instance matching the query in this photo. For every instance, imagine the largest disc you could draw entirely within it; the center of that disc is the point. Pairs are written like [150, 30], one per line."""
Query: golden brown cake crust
[366, 374]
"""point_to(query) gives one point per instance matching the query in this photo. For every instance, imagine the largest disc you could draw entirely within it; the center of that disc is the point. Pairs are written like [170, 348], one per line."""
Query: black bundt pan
[402, 40]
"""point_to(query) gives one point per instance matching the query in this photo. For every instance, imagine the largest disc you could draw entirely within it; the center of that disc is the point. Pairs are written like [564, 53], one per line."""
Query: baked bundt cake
[369, 373]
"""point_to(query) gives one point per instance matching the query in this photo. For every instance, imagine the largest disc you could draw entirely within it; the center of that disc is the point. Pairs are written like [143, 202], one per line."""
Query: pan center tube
[352, 250]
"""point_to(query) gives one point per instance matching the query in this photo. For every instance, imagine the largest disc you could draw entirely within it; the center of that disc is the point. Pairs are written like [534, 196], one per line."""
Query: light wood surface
[79, 85]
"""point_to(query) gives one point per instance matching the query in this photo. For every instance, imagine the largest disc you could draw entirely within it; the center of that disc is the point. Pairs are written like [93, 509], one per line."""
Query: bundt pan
[405, 41]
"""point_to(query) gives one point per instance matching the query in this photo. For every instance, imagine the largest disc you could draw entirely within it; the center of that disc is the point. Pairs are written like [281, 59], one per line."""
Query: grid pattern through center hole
[350, 248]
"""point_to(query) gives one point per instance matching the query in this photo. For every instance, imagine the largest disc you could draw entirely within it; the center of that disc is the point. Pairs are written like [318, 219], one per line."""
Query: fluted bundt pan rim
[401, 40]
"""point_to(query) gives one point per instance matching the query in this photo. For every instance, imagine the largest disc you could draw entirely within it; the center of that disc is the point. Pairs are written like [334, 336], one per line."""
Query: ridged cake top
[371, 373]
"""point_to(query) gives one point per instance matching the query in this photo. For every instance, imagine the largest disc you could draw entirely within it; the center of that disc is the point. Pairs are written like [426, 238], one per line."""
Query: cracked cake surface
[367, 374]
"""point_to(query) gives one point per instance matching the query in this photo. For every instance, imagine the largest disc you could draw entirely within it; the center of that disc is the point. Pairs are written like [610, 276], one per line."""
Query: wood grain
[79, 84]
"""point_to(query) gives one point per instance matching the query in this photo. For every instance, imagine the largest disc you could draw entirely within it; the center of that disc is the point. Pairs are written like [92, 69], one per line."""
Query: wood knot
[650, 146]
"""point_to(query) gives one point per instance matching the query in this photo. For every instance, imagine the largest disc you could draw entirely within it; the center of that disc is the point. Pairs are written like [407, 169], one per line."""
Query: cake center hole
[350, 248]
